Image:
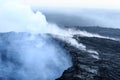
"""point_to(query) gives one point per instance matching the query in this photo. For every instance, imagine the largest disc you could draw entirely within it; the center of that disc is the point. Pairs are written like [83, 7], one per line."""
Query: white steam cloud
[20, 18]
[41, 57]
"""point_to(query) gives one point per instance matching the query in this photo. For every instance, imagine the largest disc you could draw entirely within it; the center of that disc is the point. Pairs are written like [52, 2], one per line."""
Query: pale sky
[106, 4]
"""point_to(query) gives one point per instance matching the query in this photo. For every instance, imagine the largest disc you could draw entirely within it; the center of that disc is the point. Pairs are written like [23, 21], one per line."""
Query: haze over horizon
[49, 40]
[100, 4]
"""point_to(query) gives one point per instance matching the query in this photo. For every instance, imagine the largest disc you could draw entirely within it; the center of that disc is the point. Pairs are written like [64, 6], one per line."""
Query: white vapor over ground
[41, 57]
[20, 18]
[108, 18]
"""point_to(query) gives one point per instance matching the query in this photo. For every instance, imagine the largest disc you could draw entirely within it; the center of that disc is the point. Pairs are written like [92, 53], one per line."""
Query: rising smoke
[83, 17]
[42, 58]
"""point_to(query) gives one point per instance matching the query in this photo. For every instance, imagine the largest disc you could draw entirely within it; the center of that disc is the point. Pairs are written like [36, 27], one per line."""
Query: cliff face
[101, 64]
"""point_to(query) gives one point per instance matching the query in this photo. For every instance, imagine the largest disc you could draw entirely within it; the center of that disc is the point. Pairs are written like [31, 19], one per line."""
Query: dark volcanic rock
[86, 67]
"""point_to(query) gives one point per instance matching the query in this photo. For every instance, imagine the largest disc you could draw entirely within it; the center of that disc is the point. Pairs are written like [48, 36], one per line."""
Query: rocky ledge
[87, 65]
